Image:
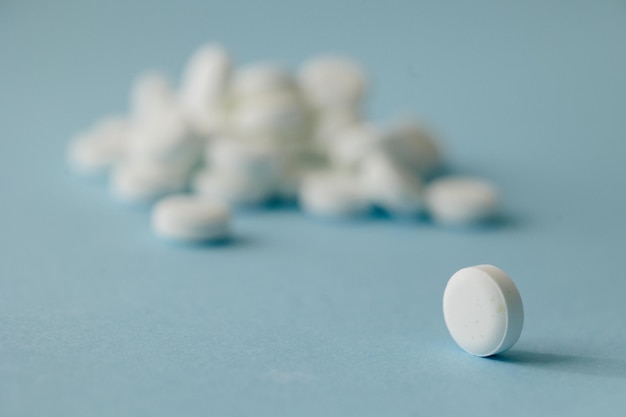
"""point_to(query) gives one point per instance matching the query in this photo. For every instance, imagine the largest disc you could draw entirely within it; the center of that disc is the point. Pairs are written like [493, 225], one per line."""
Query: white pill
[332, 195]
[205, 77]
[390, 186]
[483, 310]
[280, 117]
[203, 90]
[258, 160]
[461, 201]
[190, 219]
[167, 139]
[233, 188]
[151, 96]
[329, 124]
[412, 145]
[95, 152]
[348, 148]
[141, 182]
[333, 82]
[262, 78]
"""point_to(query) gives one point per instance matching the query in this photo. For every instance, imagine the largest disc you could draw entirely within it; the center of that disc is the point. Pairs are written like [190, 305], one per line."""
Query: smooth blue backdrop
[301, 317]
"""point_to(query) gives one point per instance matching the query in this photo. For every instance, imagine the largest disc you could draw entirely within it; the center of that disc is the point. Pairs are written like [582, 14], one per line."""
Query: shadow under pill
[229, 242]
[560, 362]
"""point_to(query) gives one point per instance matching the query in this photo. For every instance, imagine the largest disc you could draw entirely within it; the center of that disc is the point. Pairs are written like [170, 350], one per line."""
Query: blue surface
[299, 317]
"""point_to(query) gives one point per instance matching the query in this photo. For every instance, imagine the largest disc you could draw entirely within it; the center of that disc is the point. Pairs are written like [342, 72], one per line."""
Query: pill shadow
[559, 362]
[233, 241]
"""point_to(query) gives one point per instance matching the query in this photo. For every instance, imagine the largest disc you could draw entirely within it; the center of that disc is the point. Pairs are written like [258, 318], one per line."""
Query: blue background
[301, 317]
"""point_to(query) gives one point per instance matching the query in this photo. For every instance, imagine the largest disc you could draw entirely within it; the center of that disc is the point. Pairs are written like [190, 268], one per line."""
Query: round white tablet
[389, 186]
[461, 201]
[483, 310]
[190, 219]
[332, 195]
[414, 146]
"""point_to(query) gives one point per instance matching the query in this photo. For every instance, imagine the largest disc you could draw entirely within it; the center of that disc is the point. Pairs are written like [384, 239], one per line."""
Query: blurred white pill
[233, 188]
[332, 195]
[333, 82]
[279, 116]
[390, 186]
[258, 79]
[203, 88]
[167, 139]
[349, 146]
[461, 201]
[151, 96]
[413, 146]
[328, 124]
[483, 310]
[143, 182]
[230, 156]
[190, 219]
[96, 151]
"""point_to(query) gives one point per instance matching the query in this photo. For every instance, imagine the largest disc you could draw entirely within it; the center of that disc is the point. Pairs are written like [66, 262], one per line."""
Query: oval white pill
[461, 201]
[190, 219]
[483, 310]
[205, 78]
[203, 90]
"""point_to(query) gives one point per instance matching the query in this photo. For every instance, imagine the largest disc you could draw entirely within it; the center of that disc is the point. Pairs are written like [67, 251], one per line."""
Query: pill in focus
[483, 310]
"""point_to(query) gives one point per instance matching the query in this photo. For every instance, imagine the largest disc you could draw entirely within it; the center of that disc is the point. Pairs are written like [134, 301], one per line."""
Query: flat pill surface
[483, 310]
[461, 201]
[190, 219]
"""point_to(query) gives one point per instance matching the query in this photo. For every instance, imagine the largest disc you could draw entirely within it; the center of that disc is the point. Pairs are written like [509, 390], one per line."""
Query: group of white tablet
[229, 137]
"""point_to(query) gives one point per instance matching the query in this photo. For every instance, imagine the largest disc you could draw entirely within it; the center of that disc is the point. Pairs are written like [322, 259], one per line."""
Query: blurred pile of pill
[230, 138]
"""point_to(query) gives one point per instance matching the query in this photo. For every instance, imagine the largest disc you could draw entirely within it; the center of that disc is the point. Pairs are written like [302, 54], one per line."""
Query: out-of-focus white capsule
[278, 117]
[190, 219]
[298, 163]
[141, 182]
[461, 201]
[348, 148]
[229, 156]
[264, 78]
[333, 82]
[151, 96]
[389, 186]
[328, 125]
[233, 188]
[95, 152]
[167, 139]
[332, 195]
[204, 83]
[413, 146]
